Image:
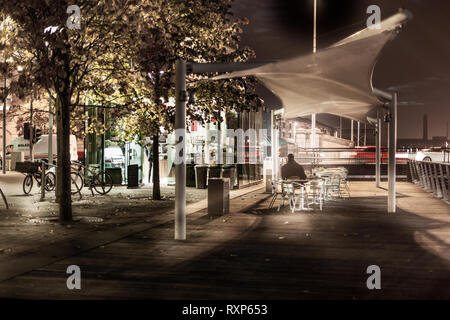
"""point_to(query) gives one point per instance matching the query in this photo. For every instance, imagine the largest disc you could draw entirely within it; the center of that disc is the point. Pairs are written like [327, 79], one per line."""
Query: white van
[20, 144]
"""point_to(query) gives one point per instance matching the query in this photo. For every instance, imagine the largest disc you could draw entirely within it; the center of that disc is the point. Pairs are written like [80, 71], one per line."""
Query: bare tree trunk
[58, 148]
[156, 184]
[64, 183]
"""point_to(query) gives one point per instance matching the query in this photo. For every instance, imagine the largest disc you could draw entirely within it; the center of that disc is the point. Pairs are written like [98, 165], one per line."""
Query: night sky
[416, 63]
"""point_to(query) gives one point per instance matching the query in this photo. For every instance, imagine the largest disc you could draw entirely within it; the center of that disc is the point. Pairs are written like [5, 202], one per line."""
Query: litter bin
[201, 172]
[133, 176]
[190, 175]
[229, 172]
[218, 196]
[116, 174]
[214, 171]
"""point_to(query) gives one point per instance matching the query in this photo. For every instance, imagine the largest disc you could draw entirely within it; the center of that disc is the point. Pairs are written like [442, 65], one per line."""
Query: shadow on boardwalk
[264, 254]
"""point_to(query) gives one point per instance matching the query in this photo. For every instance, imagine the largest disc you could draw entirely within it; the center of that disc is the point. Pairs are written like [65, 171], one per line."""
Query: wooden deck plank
[263, 254]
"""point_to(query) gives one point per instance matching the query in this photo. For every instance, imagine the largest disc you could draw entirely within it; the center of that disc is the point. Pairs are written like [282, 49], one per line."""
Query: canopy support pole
[392, 150]
[313, 131]
[378, 147]
[358, 135]
[273, 147]
[351, 131]
[392, 145]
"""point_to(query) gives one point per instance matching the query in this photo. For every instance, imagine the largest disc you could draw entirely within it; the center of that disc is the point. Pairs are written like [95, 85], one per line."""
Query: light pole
[313, 116]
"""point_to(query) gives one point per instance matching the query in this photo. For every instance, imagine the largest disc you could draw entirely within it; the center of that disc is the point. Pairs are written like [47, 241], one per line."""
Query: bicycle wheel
[27, 184]
[76, 182]
[50, 181]
[102, 182]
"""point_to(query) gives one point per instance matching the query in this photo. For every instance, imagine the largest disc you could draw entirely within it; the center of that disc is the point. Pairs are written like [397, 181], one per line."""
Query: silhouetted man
[292, 169]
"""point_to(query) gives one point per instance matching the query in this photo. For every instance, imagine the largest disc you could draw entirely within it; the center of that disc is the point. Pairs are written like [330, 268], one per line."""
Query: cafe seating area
[322, 185]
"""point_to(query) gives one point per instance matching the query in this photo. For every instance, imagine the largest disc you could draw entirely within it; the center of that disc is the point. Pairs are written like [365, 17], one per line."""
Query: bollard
[42, 181]
[218, 196]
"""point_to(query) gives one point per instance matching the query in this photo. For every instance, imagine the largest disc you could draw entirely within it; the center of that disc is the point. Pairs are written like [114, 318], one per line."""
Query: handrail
[4, 198]
[433, 177]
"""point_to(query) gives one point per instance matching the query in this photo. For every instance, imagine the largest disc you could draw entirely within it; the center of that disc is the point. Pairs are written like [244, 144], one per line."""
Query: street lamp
[313, 116]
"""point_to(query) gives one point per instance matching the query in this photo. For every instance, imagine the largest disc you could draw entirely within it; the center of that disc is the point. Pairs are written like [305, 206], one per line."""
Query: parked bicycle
[94, 179]
[32, 171]
[76, 182]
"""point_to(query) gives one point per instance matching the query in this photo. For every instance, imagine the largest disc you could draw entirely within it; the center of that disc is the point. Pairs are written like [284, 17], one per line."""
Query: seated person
[292, 169]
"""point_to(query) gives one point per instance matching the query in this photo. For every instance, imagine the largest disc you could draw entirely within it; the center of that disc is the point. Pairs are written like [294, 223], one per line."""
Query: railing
[432, 176]
[342, 156]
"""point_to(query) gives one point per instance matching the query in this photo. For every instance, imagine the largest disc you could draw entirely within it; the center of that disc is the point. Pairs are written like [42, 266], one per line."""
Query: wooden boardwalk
[261, 254]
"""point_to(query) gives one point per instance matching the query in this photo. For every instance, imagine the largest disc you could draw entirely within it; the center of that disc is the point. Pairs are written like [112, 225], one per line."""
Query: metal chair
[333, 185]
[315, 193]
[298, 197]
[276, 186]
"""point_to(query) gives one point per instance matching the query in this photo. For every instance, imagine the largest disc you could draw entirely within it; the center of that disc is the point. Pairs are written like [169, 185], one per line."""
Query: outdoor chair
[333, 186]
[298, 198]
[276, 186]
[315, 193]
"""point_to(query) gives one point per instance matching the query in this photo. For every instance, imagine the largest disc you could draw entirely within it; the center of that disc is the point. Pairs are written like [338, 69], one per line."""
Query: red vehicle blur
[367, 154]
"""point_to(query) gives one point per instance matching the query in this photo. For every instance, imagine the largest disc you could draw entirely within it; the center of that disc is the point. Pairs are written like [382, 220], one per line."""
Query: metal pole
[392, 150]
[31, 130]
[378, 146]
[313, 130]
[340, 127]
[315, 27]
[42, 181]
[272, 135]
[358, 137]
[313, 116]
[180, 168]
[365, 134]
[102, 160]
[4, 123]
[50, 131]
[277, 158]
[351, 131]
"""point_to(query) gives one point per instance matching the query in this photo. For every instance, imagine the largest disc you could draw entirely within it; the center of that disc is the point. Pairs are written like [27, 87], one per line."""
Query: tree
[194, 30]
[68, 62]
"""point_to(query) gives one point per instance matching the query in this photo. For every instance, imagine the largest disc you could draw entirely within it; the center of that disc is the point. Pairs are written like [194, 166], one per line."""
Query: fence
[432, 176]
[343, 156]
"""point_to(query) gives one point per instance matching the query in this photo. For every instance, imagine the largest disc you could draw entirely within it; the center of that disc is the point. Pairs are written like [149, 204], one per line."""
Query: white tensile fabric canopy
[336, 80]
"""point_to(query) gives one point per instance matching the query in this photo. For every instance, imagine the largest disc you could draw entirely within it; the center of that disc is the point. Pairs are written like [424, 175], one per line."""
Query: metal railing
[343, 156]
[432, 176]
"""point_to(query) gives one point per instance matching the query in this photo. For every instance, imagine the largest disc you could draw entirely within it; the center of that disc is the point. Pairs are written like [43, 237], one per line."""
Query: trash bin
[190, 175]
[268, 180]
[214, 171]
[229, 172]
[116, 174]
[200, 176]
[133, 176]
[218, 196]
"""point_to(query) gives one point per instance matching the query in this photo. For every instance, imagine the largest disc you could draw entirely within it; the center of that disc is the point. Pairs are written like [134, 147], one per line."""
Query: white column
[392, 150]
[351, 131]
[315, 27]
[358, 136]
[313, 130]
[378, 147]
[180, 169]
